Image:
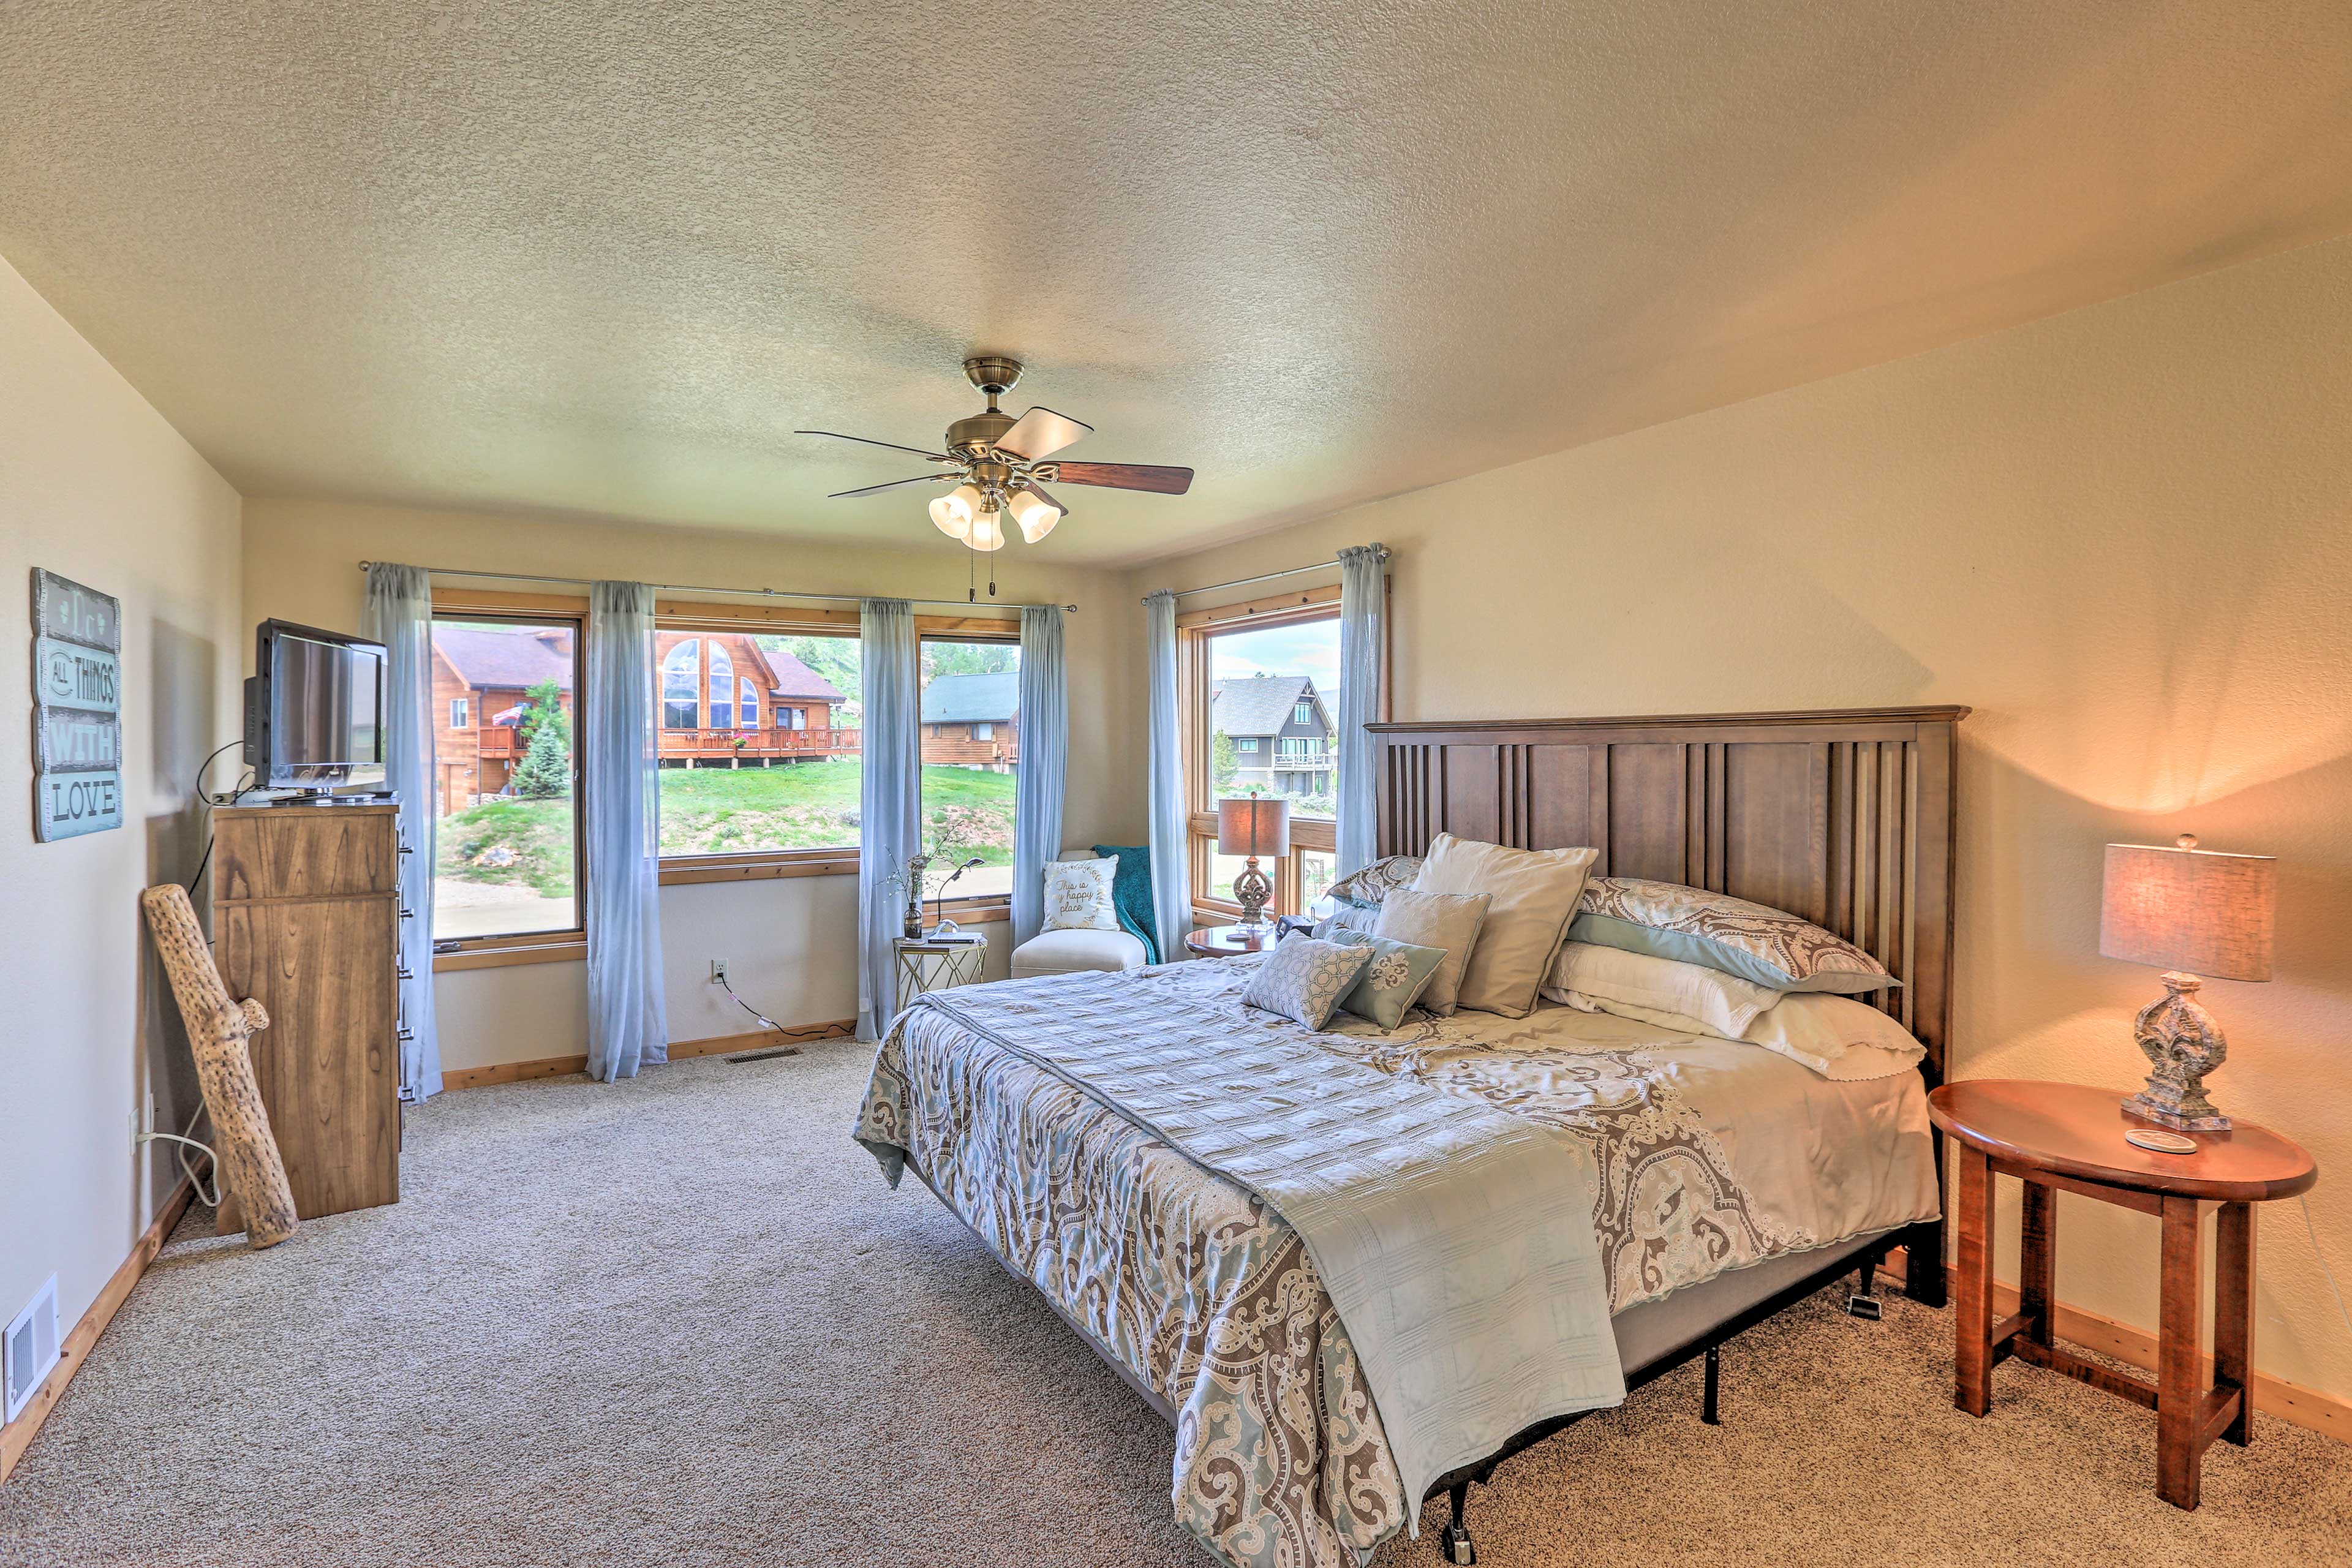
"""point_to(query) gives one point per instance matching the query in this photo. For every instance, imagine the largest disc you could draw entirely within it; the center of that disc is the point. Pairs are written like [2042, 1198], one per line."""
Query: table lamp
[1252, 825]
[2196, 914]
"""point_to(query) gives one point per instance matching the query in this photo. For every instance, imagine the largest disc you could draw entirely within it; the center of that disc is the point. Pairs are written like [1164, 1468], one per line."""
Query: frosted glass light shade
[952, 513]
[1035, 515]
[2189, 908]
[987, 530]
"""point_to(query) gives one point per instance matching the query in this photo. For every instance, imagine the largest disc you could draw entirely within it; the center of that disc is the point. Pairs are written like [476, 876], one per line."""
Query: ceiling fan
[1003, 465]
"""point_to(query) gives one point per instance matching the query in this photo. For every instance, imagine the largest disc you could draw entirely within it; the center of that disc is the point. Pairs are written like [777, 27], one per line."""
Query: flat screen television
[314, 709]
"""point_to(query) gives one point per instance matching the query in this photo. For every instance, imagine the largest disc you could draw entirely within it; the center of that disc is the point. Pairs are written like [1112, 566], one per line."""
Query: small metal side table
[930, 963]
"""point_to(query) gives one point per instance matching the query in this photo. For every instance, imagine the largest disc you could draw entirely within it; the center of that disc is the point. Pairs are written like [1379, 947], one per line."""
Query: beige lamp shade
[2189, 908]
[1253, 824]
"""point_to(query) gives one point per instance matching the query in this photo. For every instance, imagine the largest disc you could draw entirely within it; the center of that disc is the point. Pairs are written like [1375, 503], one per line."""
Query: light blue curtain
[399, 615]
[1363, 616]
[628, 1026]
[1043, 727]
[890, 800]
[1172, 890]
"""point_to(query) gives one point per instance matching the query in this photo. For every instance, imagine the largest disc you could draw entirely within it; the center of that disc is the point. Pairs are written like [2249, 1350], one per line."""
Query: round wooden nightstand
[1224, 942]
[2065, 1137]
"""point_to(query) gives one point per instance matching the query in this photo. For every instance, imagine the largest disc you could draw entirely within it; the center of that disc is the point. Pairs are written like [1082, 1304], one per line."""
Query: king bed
[1356, 1268]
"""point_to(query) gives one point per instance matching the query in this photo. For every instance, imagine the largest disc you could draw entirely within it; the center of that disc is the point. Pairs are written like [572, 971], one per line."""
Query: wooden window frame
[988, 907]
[703, 619]
[570, 945]
[1195, 631]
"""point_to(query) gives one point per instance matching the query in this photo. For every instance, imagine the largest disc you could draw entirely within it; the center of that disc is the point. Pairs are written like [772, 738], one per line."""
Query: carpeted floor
[681, 1321]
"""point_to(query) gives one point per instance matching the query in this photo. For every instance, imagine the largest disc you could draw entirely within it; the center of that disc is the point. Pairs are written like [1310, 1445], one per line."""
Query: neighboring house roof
[486, 657]
[972, 699]
[795, 679]
[1259, 704]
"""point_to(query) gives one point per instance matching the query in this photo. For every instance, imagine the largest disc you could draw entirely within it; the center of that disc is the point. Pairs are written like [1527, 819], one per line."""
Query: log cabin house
[972, 720]
[726, 703]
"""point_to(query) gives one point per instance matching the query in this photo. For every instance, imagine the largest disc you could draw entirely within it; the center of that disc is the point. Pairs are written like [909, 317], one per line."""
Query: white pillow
[1708, 1000]
[1843, 1040]
[1077, 895]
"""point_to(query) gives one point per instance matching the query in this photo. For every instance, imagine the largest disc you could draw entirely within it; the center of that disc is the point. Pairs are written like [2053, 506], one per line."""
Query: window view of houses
[1274, 701]
[758, 746]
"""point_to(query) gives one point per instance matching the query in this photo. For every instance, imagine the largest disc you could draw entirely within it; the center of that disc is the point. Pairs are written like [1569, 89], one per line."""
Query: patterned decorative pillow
[1077, 895]
[1393, 981]
[1376, 881]
[1364, 918]
[1302, 979]
[1771, 947]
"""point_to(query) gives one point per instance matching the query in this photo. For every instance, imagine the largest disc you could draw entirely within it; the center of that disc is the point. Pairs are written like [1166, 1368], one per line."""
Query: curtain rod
[753, 593]
[1267, 576]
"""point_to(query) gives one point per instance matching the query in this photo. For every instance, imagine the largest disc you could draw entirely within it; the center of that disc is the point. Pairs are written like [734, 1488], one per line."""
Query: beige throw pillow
[1534, 893]
[1435, 919]
[1077, 895]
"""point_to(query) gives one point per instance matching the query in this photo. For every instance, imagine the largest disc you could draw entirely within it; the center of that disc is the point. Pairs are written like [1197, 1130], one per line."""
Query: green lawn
[719, 811]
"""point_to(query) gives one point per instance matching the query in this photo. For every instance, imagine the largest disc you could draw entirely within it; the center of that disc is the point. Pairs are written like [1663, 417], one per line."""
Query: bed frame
[1845, 817]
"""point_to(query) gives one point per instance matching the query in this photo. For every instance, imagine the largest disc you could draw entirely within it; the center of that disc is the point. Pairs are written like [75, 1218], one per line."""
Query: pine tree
[546, 769]
[1223, 765]
[545, 710]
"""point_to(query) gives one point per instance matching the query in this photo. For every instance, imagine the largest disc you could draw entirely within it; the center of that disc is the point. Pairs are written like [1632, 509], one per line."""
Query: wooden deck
[751, 745]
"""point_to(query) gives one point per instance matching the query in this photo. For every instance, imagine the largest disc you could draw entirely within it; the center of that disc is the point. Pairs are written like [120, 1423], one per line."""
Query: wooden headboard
[1842, 817]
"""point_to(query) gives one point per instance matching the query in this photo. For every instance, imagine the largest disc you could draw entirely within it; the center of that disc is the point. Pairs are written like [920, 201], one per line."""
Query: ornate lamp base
[2182, 1044]
[1252, 889]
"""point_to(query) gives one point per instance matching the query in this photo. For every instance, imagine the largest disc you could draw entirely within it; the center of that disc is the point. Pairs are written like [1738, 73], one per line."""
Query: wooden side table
[1224, 942]
[2063, 1137]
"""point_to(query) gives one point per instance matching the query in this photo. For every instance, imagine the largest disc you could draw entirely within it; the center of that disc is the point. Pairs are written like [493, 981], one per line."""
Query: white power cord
[2324, 1270]
[187, 1168]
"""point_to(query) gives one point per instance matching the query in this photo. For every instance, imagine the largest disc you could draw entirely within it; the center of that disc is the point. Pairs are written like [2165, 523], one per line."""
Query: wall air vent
[31, 1348]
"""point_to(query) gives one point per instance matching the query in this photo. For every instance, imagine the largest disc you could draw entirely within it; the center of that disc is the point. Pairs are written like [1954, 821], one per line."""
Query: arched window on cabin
[722, 687]
[681, 670]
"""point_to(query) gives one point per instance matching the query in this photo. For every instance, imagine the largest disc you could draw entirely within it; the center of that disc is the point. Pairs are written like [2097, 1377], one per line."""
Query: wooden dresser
[306, 921]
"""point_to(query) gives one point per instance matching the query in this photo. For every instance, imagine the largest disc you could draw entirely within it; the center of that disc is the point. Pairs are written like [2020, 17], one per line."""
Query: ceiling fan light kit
[1001, 465]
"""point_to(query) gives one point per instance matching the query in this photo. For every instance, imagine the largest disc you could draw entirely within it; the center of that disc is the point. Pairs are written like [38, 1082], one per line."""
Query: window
[971, 746]
[722, 685]
[1248, 671]
[789, 792]
[681, 670]
[507, 860]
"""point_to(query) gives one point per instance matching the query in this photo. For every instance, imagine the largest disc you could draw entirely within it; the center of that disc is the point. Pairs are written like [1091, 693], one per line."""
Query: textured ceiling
[605, 257]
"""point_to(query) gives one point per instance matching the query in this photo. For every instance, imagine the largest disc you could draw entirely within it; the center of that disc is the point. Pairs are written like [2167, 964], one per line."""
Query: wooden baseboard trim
[18, 1435]
[2290, 1402]
[680, 1050]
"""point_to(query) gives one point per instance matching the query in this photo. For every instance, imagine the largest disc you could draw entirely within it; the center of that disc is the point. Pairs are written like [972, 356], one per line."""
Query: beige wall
[96, 486]
[2123, 535]
[791, 945]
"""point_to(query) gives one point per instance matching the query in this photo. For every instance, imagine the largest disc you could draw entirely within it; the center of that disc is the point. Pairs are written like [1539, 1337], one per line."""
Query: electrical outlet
[718, 971]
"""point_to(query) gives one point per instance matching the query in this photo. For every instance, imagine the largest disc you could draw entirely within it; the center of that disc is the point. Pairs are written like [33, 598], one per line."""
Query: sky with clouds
[1312, 649]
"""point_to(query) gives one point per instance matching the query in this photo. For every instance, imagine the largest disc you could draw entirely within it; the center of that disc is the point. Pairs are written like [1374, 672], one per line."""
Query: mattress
[1714, 1157]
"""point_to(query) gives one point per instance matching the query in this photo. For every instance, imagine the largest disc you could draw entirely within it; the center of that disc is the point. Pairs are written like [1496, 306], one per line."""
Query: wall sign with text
[77, 708]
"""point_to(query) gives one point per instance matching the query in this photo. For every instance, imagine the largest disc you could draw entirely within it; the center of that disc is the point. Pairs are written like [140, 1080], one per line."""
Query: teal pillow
[1393, 982]
[1131, 894]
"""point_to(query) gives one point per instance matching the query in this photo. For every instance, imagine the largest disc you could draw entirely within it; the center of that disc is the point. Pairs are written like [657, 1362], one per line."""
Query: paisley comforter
[1709, 1155]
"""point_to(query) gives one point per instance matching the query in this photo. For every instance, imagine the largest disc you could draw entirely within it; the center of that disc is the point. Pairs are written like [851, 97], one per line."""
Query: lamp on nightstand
[2196, 914]
[1252, 825]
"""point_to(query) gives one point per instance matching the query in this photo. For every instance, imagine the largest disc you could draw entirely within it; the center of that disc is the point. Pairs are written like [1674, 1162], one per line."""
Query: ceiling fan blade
[1039, 431]
[891, 485]
[937, 457]
[1126, 477]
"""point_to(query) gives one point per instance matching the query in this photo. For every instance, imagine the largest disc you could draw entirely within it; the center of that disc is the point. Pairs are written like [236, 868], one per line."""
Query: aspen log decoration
[246, 1150]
